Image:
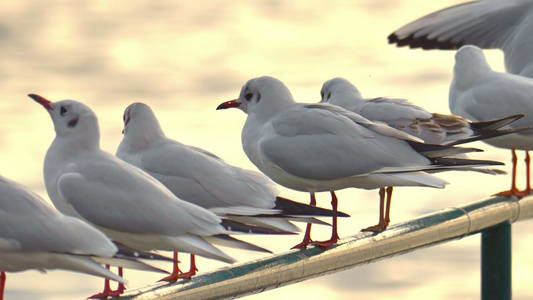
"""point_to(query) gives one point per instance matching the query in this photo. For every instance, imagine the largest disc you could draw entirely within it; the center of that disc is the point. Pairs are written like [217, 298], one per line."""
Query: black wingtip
[127, 252]
[489, 135]
[479, 127]
[235, 226]
[293, 208]
[423, 42]
[453, 162]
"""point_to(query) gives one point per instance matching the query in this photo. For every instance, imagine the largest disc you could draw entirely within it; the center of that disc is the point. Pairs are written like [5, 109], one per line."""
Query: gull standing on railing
[322, 147]
[123, 201]
[198, 176]
[478, 93]
[35, 236]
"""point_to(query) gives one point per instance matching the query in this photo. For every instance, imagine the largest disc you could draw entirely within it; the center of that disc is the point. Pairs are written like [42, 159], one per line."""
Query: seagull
[433, 128]
[200, 177]
[33, 235]
[489, 24]
[321, 147]
[128, 205]
[478, 93]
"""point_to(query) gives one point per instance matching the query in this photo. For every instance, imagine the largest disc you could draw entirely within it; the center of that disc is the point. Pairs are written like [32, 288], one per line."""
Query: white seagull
[478, 93]
[198, 176]
[489, 24]
[433, 128]
[127, 204]
[35, 236]
[321, 147]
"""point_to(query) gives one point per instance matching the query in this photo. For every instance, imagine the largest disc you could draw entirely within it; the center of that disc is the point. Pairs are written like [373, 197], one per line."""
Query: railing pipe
[297, 265]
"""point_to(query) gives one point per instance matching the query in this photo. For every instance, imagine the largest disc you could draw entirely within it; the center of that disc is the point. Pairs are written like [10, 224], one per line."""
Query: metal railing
[491, 216]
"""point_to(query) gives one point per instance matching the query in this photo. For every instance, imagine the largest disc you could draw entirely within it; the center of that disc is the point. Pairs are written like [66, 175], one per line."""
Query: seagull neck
[268, 112]
[141, 139]
[469, 70]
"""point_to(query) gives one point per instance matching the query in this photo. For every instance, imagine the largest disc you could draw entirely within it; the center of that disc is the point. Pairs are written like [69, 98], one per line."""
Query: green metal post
[496, 262]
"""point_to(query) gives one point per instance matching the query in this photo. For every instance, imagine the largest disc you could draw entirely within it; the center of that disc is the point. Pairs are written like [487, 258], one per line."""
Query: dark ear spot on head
[258, 98]
[72, 123]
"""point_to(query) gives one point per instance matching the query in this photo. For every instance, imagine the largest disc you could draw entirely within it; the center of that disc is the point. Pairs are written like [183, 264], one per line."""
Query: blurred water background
[183, 58]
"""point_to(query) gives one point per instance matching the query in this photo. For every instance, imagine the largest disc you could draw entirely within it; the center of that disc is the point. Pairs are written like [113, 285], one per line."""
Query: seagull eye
[248, 96]
[63, 110]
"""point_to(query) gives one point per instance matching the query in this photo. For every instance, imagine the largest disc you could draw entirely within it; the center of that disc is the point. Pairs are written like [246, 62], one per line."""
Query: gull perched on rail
[123, 201]
[200, 177]
[478, 93]
[322, 147]
[35, 236]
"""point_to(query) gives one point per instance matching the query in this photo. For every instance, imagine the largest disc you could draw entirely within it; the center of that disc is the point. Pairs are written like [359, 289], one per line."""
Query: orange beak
[229, 104]
[41, 101]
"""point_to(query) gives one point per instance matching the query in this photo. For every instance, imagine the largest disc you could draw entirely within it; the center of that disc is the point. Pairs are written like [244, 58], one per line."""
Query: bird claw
[326, 244]
[376, 228]
[303, 244]
[511, 193]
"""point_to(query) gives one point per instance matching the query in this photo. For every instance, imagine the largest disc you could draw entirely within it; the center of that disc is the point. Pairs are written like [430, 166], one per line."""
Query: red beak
[229, 104]
[41, 101]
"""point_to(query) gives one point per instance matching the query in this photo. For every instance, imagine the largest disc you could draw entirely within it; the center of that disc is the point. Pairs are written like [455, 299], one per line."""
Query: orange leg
[2, 284]
[513, 191]
[177, 273]
[307, 237]
[192, 269]
[334, 234]
[107, 290]
[527, 191]
[389, 200]
[175, 270]
[121, 288]
[384, 210]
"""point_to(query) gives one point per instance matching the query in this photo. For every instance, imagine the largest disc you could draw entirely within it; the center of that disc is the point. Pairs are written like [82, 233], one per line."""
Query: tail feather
[128, 263]
[309, 220]
[480, 127]
[434, 150]
[459, 162]
[276, 223]
[293, 208]
[228, 241]
[85, 264]
[199, 246]
[127, 252]
[238, 227]
[488, 135]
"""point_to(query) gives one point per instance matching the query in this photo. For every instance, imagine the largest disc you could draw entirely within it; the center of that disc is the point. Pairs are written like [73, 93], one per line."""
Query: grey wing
[394, 112]
[510, 94]
[197, 176]
[121, 197]
[28, 223]
[378, 127]
[319, 145]
[485, 24]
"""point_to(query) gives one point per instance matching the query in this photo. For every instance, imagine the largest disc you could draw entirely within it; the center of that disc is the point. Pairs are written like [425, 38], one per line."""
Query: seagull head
[339, 91]
[471, 61]
[140, 125]
[72, 120]
[262, 95]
